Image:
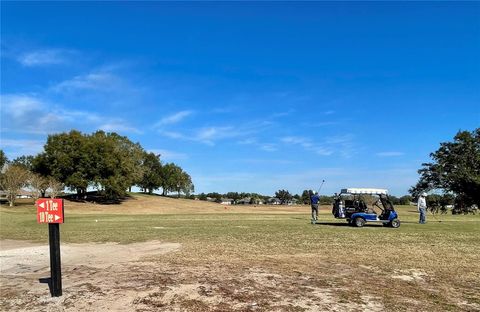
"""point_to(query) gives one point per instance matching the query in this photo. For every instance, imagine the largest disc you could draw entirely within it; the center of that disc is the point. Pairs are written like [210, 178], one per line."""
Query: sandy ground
[136, 277]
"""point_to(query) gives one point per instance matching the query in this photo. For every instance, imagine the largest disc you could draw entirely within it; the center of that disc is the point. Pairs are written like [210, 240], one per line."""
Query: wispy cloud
[173, 135]
[18, 147]
[174, 118]
[266, 147]
[45, 57]
[25, 113]
[258, 161]
[308, 145]
[118, 125]
[389, 154]
[90, 81]
[341, 144]
[210, 135]
[20, 105]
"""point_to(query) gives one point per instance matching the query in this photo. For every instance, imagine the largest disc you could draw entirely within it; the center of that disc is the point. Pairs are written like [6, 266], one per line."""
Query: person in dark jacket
[314, 202]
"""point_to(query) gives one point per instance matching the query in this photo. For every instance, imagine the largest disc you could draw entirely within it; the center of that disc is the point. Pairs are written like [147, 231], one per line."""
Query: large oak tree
[455, 169]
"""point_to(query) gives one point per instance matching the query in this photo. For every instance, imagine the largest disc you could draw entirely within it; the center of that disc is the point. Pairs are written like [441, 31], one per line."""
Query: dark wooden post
[55, 267]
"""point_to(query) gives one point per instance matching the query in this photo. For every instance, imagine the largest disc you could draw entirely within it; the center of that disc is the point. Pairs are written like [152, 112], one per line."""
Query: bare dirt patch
[139, 277]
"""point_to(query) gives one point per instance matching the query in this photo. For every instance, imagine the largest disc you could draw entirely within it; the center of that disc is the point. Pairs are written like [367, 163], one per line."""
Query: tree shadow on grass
[96, 198]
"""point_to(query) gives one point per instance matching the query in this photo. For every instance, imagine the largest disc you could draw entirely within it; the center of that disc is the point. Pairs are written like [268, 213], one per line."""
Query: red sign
[49, 210]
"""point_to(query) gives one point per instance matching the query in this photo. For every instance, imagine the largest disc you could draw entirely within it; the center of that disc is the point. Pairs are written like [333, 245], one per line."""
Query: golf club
[318, 192]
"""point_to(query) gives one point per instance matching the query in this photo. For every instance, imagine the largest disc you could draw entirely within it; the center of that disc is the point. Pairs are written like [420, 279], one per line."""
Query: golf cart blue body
[351, 204]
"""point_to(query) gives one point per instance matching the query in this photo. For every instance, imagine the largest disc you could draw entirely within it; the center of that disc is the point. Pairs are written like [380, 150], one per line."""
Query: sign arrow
[42, 205]
[56, 217]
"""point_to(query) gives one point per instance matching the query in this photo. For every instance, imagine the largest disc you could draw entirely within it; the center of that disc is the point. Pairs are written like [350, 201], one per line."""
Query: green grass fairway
[431, 267]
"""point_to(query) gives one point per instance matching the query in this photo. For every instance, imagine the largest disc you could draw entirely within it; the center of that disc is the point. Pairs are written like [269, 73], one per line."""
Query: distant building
[244, 201]
[226, 201]
[274, 201]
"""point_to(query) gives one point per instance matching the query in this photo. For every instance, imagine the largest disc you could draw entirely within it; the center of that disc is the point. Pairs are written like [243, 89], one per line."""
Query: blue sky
[251, 97]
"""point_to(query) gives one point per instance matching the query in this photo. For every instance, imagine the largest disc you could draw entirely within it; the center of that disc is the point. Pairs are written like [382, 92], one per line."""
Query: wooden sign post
[51, 211]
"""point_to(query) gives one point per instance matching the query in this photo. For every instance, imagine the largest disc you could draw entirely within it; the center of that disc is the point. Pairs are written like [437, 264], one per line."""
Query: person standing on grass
[314, 201]
[422, 208]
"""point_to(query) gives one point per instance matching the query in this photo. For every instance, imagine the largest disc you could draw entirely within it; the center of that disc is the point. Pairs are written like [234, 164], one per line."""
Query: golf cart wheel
[395, 223]
[359, 222]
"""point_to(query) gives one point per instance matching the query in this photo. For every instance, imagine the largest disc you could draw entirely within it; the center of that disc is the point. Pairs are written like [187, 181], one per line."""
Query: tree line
[107, 162]
[284, 196]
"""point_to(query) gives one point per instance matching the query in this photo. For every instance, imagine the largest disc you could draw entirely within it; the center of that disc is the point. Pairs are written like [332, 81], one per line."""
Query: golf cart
[351, 204]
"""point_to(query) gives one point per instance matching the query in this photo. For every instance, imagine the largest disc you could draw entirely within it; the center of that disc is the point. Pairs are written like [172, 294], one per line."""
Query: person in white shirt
[422, 208]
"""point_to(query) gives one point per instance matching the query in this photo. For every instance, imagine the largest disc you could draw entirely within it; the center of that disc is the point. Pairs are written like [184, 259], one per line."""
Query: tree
[186, 184]
[108, 161]
[455, 168]
[13, 180]
[24, 161]
[38, 185]
[183, 183]
[305, 198]
[68, 159]
[116, 163]
[168, 178]
[152, 173]
[175, 179]
[406, 200]
[55, 187]
[284, 196]
[3, 159]
[326, 200]
[233, 195]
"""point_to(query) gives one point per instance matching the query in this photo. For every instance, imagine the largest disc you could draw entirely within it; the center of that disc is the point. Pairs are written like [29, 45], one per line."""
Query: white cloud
[173, 135]
[16, 147]
[118, 125]
[20, 105]
[206, 135]
[211, 134]
[92, 81]
[390, 154]
[45, 57]
[174, 118]
[308, 145]
[268, 147]
[29, 114]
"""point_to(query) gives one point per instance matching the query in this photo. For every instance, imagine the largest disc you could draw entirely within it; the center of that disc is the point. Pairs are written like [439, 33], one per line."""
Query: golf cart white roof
[367, 191]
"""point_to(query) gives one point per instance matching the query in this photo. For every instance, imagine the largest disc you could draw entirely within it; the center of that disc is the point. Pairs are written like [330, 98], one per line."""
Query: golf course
[155, 253]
